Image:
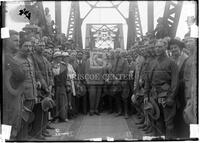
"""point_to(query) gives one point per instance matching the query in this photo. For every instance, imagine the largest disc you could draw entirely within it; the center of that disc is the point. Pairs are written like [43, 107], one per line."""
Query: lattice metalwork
[134, 24]
[104, 36]
[74, 25]
[172, 14]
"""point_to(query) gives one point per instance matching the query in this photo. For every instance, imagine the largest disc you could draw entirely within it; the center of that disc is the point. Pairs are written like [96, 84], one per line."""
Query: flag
[16, 16]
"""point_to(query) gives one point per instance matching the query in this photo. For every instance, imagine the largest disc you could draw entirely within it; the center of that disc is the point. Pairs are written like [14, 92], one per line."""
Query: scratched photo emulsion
[99, 71]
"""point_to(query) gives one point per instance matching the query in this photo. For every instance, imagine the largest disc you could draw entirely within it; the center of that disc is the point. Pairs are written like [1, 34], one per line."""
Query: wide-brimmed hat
[47, 103]
[152, 108]
[27, 115]
[65, 54]
[57, 54]
[9, 86]
[134, 98]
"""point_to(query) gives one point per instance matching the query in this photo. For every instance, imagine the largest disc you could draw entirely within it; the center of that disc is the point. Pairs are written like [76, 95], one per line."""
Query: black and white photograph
[99, 71]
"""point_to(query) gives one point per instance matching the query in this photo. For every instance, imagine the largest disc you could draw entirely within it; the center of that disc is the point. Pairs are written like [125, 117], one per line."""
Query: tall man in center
[93, 76]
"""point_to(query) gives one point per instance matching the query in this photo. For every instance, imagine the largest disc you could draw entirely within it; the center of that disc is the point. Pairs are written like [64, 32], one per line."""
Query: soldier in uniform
[30, 92]
[145, 70]
[13, 79]
[138, 65]
[161, 85]
[44, 69]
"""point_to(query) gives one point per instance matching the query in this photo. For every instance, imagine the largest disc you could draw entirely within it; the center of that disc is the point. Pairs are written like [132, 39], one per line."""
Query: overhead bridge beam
[172, 15]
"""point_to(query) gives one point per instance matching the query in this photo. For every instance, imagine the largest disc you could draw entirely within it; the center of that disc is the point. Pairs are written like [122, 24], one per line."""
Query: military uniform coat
[30, 92]
[12, 102]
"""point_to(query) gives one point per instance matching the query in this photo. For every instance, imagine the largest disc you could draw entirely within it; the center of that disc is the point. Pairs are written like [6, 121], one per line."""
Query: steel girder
[172, 14]
[150, 16]
[134, 24]
[74, 25]
[58, 15]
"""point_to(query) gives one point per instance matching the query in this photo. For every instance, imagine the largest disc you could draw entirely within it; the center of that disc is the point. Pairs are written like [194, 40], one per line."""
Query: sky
[105, 15]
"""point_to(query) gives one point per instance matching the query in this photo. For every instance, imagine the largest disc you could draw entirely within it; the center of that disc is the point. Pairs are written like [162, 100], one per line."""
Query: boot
[170, 134]
[149, 131]
[146, 128]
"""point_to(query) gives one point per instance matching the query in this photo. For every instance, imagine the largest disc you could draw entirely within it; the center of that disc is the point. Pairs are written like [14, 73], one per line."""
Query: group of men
[155, 80]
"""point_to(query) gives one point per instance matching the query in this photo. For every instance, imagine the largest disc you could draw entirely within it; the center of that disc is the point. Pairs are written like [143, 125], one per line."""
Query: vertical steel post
[150, 16]
[58, 15]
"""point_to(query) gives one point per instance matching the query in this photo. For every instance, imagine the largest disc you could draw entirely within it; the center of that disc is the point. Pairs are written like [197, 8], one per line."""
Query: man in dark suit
[79, 68]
